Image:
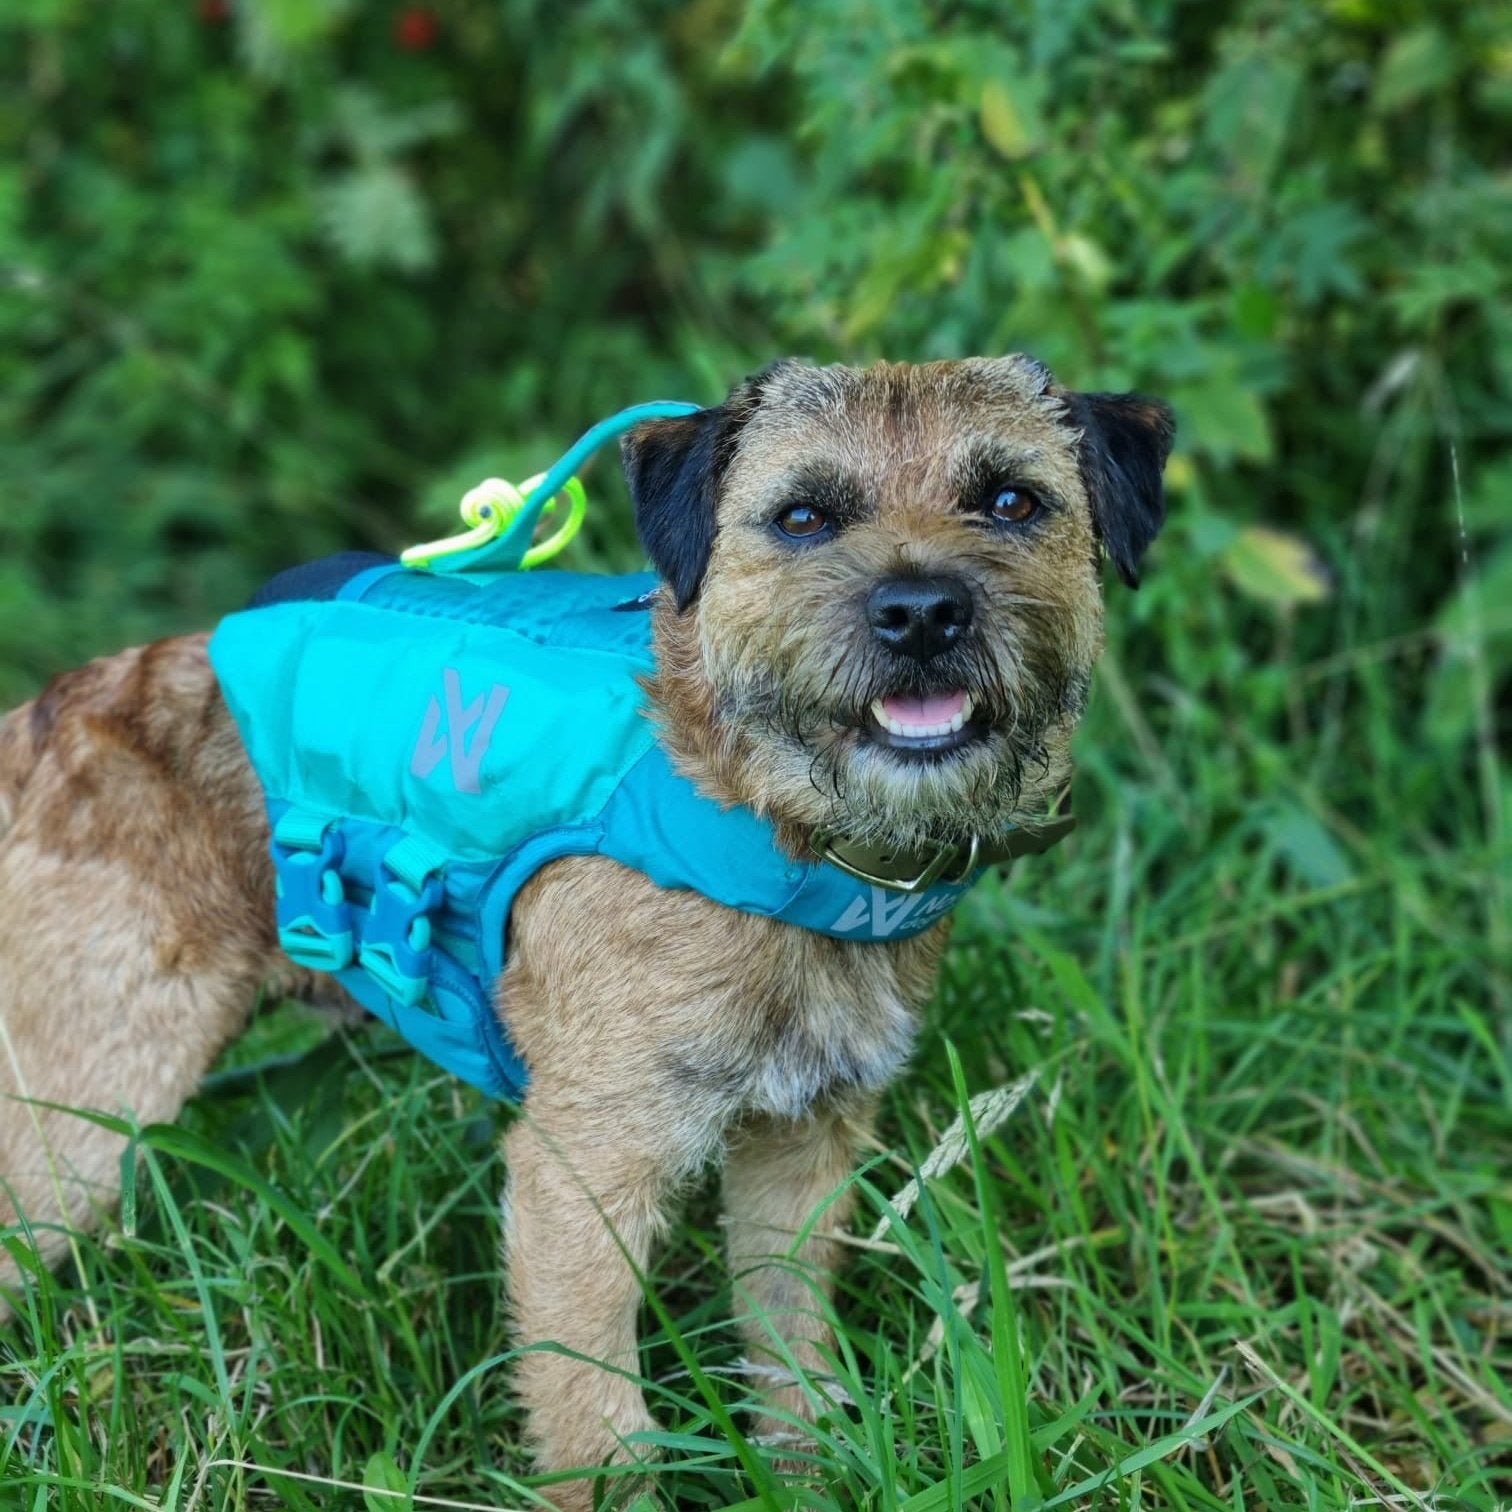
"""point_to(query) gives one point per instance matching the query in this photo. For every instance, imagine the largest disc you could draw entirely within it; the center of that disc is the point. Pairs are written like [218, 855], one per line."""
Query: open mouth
[933, 722]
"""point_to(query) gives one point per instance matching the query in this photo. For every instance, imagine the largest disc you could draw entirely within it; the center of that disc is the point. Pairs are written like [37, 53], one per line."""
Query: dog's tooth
[905, 731]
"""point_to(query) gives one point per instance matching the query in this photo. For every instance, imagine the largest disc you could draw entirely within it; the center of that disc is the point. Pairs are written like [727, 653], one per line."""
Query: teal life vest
[427, 741]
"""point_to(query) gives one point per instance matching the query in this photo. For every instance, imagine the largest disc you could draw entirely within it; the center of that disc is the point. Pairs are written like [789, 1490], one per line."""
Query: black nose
[919, 616]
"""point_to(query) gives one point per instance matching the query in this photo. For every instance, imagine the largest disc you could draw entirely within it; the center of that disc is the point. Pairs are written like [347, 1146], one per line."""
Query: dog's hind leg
[117, 1034]
[779, 1175]
[135, 919]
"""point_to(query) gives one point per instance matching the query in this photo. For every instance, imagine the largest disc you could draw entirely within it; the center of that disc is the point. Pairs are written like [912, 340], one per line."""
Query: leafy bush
[280, 276]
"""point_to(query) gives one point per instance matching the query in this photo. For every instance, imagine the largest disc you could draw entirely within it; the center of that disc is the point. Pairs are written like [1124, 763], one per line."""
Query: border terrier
[880, 608]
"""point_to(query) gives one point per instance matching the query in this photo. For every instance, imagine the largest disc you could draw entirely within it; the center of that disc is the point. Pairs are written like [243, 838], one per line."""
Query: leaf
[1478, 608]
[1474, 623]
[1088, 259]
[1488, 497]
[1276, 568]
[1417, 63]
[274, 33]
[374, 130]
[129, 1191]
[1209, 535]
[1257, 311]
[299, 24]
[1180, 474]
[762, 173]
[1250, 102]
[1223, 417]
[1313, 249]
[1307, 847]
[375, 218]
[1003, 124]
[386, 1487]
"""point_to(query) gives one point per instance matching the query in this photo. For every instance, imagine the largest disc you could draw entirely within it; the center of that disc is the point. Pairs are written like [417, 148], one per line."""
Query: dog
[837, 549]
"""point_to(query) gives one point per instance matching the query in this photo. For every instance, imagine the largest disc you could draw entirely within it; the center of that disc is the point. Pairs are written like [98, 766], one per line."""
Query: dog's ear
[1125, 440]
[675, 469]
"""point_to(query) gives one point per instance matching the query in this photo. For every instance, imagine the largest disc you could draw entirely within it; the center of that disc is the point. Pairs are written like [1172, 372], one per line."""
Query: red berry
[415, 29]
[214, 12]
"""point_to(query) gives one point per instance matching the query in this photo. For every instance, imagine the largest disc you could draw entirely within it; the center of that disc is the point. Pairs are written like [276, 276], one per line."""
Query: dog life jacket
[428, 741]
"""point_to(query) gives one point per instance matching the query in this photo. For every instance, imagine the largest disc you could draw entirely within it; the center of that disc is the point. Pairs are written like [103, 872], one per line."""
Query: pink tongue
[933, 709]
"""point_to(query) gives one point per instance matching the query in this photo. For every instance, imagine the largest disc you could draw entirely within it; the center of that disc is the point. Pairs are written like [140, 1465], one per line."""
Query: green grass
[1242, 1242]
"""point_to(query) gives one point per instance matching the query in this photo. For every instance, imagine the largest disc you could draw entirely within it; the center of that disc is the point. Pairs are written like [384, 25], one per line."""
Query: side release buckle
[396, 943]
[314, 918]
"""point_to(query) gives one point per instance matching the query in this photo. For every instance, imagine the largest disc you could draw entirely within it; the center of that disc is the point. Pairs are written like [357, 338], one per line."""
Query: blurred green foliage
[283, 276]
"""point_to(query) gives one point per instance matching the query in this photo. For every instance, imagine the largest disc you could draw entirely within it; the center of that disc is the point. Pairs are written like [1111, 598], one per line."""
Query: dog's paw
[626, 1480]
[601, 1492]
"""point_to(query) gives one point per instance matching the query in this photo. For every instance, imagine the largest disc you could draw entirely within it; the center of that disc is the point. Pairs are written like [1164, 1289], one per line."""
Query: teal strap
[506, 552]
[412, 860]
[301, 829]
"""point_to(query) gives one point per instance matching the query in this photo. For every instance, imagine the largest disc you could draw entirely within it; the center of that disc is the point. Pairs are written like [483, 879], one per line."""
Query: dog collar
[915, 871]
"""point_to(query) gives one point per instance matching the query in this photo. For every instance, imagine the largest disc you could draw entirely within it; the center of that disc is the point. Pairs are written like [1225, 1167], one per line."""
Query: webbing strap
[412, 860]
[302, 829]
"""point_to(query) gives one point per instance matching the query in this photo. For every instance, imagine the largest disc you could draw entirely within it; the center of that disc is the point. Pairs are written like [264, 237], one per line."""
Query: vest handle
[502, 533]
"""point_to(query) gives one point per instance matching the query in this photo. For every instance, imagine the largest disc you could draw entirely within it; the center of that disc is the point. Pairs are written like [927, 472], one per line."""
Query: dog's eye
[800, 521]
[1013, 505]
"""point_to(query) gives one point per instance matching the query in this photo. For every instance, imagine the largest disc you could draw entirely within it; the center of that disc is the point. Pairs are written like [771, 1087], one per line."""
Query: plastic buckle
[314, 918]
[396, 946]
[933, 871]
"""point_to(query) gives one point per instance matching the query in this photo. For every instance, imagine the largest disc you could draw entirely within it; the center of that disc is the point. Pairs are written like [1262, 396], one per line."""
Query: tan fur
[661, 1030]
[136, 919]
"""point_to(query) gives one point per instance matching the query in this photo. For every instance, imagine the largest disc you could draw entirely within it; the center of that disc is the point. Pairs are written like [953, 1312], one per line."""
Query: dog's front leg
[778, 1174]
[589, 1186]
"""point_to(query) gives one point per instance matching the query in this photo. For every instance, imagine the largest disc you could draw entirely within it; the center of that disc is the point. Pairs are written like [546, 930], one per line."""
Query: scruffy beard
[800, 745]
[830, 771]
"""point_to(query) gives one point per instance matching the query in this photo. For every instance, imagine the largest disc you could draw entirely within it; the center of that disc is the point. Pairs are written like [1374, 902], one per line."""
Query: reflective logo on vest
[432, 748]
[883, 913]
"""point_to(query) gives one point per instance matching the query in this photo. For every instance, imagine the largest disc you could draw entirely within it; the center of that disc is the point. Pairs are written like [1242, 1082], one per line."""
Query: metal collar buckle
[825, 847]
